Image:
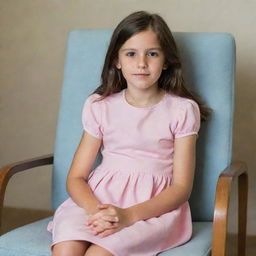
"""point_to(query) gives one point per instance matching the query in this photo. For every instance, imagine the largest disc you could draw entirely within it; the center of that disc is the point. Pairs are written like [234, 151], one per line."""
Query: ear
[165, 66]
[118, 65]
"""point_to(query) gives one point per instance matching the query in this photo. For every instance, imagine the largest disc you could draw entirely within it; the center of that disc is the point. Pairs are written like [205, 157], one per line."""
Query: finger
[97, 229]
[92, 218]
[95, 224]
[110, 218]
[103, 227]
[89, 222]
[107, 233]
[100, 223]
[104, 224]
[92, 223]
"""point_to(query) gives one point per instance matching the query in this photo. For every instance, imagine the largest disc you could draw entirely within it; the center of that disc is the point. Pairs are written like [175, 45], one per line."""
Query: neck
[144, 98]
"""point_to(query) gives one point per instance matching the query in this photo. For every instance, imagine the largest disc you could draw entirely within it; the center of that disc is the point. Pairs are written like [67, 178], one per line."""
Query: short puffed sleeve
[91, 116]
[188, 119]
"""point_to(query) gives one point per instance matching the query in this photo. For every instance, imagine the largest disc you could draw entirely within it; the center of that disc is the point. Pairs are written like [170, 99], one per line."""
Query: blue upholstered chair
[209, 66]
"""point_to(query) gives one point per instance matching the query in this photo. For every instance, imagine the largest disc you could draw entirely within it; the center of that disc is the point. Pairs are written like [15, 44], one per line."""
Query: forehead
[142, 40]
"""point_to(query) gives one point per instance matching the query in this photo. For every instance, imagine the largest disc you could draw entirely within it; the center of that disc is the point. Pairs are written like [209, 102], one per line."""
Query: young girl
[145, 122]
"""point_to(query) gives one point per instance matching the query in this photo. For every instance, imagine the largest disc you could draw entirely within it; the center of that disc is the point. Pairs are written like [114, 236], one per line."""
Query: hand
[108, 220]
[100, 225]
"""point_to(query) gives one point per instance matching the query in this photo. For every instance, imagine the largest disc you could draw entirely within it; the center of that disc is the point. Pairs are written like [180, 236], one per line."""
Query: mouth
[141, 74]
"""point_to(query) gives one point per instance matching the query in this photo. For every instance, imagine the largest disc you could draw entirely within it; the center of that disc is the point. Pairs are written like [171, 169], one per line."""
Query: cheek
[126, 66]
[157, 72]
[158, 67]
[124, 72]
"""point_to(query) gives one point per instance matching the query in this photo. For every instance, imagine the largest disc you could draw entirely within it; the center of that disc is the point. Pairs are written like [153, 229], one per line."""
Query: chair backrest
[209, 64]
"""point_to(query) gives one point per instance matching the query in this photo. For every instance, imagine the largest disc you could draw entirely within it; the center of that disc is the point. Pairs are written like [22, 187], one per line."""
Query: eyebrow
[149, 49]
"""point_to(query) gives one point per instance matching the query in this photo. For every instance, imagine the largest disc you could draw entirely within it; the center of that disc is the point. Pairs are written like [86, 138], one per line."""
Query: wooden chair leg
[242, 212]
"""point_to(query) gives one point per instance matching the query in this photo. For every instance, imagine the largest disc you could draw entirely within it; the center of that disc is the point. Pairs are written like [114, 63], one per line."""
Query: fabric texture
[137, 150]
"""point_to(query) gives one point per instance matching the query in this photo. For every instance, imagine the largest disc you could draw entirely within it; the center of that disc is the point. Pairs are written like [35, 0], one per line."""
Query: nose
[142, 61]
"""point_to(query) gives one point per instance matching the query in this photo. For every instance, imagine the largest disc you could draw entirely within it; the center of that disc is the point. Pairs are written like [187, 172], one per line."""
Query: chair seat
[199, 245]
[29, 240]
[34, 240]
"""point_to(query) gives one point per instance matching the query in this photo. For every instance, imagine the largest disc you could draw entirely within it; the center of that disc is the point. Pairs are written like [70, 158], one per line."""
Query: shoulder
[94, 101]
[178, 105]
[181, 102]
[95, 97]
[186, 114]
[110, 104]
[183, 108]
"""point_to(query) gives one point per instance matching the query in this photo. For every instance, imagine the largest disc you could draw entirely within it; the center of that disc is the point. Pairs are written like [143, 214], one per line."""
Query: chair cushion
[199, 245]
[34, 239]
[29, 240]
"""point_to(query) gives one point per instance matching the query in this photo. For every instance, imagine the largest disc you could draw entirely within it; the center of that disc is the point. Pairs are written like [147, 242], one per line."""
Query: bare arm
[179, 192]
[83, 160]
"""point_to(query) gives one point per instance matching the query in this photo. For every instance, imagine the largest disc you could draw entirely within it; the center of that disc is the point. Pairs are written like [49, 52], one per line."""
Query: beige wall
[32, 51]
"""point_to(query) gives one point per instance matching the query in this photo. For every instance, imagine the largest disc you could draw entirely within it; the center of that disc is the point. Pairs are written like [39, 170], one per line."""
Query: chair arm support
[9, 170]
[237, 170]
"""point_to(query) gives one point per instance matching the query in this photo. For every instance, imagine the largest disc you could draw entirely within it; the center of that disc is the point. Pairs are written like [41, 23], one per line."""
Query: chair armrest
[9, 170]
[237, 170]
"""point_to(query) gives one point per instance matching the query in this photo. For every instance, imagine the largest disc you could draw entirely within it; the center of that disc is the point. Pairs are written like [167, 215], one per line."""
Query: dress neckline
[143, 108]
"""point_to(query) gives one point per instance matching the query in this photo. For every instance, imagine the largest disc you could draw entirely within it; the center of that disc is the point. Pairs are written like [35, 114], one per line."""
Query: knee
[61, 249]
[74, 248]
[97, 250]
[58, 250]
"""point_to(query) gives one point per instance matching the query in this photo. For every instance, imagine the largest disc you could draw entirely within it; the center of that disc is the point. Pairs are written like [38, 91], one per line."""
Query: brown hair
[171, 79]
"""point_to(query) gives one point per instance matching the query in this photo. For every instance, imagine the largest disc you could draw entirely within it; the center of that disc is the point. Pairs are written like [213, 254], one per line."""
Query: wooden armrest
[9, 170]
[237, 170]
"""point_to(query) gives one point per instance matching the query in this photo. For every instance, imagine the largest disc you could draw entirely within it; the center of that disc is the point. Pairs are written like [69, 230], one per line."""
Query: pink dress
[137, 165]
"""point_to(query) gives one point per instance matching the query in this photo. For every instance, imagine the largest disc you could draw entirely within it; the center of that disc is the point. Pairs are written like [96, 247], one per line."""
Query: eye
[130, 54]
[153, 54]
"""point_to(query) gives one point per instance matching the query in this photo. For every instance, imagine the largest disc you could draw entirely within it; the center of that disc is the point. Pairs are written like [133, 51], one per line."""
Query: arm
[179, 192]
[83, 160]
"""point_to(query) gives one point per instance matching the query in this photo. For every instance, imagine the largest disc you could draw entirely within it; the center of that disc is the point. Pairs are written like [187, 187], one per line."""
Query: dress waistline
[126, 164]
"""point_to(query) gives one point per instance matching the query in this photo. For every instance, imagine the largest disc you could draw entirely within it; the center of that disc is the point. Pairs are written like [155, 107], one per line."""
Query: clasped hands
[108, 220]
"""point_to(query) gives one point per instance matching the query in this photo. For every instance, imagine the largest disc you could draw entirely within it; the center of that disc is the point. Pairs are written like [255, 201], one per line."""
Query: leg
[97, 250]
[67, 248]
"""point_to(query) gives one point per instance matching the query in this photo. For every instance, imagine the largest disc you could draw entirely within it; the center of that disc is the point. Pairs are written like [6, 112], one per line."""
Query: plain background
[33, 36]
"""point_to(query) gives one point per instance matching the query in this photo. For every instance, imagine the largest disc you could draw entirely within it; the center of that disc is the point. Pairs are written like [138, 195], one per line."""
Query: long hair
[171, 79]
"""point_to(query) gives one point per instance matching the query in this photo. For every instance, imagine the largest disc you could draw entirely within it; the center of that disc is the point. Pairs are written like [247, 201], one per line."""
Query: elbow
[183, 193]
[186, 197]
[69, 184]
[186, 194]
[73, 182]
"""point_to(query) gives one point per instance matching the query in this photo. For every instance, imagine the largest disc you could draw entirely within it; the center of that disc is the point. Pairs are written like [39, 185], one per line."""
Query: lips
[141, 74]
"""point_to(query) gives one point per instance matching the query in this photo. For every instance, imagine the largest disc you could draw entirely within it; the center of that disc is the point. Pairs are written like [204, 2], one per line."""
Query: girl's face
[141, 60]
